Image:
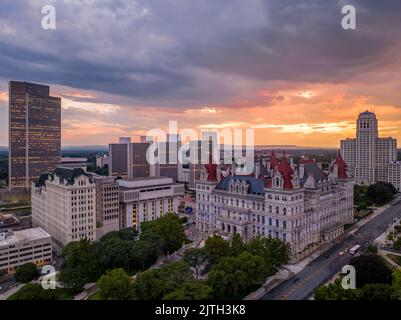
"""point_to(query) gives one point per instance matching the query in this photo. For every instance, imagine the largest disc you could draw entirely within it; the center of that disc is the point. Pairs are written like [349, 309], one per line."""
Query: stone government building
[300, 204]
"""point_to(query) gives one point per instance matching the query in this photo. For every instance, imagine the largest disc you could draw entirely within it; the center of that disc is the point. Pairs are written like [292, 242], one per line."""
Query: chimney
[233, 169]
[257, 169]
[301, 170]
[335, 170]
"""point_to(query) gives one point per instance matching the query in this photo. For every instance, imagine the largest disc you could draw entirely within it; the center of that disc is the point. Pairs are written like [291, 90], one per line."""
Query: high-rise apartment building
[34, 133]
[368, 157]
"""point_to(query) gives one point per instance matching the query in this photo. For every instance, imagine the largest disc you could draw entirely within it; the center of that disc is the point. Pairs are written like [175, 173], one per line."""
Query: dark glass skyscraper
[34, 133]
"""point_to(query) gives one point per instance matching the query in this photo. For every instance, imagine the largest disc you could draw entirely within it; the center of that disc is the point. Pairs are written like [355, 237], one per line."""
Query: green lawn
[395, 258]
[94, 296]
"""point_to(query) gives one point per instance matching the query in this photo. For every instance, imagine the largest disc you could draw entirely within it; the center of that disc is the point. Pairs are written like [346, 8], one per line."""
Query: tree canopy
[115, 285]
[26, 273]
[371, 268]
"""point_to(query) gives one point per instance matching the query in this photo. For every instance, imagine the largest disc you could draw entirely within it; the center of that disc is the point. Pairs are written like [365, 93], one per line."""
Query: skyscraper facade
[34, 133]
[370, 158]
[128, 159]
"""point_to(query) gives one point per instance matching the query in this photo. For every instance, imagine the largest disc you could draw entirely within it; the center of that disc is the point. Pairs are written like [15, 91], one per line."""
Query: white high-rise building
[64, 204]
[368, 157]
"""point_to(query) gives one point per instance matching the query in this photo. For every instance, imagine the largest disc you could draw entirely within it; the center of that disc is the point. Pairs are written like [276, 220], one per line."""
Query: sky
[285, 68]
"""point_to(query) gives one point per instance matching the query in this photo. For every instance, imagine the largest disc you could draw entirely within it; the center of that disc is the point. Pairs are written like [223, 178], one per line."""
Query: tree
[234, 277]
[371, 249]
[112, 253]
[397, 244]
[170, 230]
[216, 247]
[80, 265]
[335, 291]
[26, 273]
[196, 258]
[148, 285]
[371, 268]
[377, 291]
[193, 290]
[115, 285]
[33, 291]
[237, 246]
[396, 279]
[274, 251]
[144, 254]
[380, 192]
[154, 284]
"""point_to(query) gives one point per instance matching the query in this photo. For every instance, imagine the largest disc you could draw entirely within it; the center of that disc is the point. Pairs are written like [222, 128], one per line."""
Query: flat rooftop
[25, 235]
[73, 160]
[145, 182]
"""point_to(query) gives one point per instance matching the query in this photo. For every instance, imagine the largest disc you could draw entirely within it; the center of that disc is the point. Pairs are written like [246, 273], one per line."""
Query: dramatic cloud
[284, 67]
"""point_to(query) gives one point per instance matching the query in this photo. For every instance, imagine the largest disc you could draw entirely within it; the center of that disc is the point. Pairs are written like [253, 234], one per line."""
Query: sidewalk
[10, 292]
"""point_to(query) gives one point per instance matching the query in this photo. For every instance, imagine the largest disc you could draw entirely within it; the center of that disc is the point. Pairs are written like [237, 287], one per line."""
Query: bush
[33, 291]
[397, 244]
[26, 273]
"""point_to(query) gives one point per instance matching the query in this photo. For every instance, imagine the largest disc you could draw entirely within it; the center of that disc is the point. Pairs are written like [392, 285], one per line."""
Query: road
[9, 283]
[323, 268]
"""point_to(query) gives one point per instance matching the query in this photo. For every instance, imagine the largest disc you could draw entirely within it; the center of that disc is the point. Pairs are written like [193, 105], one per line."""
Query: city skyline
[273, 72]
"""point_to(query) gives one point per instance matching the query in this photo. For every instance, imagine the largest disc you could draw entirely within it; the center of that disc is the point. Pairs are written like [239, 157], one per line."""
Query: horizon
[271, 72]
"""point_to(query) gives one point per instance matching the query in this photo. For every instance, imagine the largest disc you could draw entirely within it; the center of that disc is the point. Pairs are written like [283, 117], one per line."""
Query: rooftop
[144, 182]
[25, 235]
[73, 160]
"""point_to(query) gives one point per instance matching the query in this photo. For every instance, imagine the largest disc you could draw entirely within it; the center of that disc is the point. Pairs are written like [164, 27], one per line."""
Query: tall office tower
[368, 157]
[107, 205]
[366, 139]
[168, 153]
[34, 133]
[118, 154]
[64, 204]
[128, 159]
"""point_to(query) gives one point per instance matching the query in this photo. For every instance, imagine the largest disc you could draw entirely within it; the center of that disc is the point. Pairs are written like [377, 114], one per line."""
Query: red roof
[273, 160]
[285, 169]
[211, 169]
[342, 167]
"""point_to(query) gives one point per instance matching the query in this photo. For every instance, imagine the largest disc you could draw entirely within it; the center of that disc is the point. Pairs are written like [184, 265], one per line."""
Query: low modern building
[11, 222]
[147, 199]
[301, 205]
[74, 162]
[19, 247]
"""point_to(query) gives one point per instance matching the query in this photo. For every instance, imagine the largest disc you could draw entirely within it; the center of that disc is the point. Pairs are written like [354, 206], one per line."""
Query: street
[323, 268]
[9, 282]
